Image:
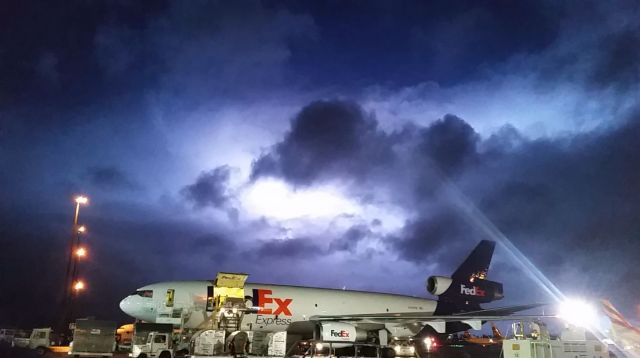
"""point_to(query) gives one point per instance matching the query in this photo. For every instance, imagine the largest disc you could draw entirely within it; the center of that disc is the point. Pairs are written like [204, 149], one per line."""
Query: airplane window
[145, 293]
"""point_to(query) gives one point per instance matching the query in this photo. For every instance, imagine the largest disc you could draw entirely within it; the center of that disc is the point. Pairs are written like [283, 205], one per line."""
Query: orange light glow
[81, 252]
[78, 286]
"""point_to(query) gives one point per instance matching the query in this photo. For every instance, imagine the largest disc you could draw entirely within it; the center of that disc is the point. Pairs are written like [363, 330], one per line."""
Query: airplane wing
[490, 314]
[503, 310]
[412, 317]
[474, 319]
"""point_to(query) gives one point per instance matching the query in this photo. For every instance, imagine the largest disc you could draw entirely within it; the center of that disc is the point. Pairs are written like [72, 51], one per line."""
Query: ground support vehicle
[573, 342]
[93, 338]
[42, 340]
[156, 345]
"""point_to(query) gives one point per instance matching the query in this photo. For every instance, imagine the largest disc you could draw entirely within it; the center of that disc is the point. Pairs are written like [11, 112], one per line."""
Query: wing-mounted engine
[340, 332]
[473, 290]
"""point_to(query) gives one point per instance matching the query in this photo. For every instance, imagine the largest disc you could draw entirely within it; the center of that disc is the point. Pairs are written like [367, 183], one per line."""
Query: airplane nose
[126, 306]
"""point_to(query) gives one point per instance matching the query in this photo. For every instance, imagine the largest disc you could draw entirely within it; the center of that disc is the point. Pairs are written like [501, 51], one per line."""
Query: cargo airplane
[341, 315]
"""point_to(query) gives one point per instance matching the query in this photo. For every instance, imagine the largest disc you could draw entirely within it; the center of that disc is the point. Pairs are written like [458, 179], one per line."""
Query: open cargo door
[228, 298]
[230, 280]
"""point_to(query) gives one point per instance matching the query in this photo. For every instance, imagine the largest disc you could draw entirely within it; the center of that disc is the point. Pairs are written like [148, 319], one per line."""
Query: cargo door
[167, 313]
[228, 300]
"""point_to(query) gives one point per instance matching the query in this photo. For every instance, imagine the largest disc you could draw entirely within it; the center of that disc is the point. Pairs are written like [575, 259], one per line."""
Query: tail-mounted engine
[473, 290]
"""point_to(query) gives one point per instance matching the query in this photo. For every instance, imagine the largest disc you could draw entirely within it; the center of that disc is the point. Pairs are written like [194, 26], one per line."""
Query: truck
[21, 338]
[42, 340]
[93, 338]
[573, 342]
[6, 335]
[152, 340]
[158, 345]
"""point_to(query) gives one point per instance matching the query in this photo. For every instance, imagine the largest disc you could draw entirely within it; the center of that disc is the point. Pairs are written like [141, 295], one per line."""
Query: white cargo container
[207, 343]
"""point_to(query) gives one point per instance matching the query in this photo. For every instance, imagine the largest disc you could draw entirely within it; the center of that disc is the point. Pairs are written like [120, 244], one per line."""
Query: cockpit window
[144, 293]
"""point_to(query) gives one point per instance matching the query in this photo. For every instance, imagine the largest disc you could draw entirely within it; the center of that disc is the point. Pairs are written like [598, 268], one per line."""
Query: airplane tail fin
[468, 286]
[476, 265]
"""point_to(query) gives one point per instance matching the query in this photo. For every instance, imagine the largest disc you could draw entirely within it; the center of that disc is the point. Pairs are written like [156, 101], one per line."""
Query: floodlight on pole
[78, 286]
[80, 200]
[577, 312]
[81, 252]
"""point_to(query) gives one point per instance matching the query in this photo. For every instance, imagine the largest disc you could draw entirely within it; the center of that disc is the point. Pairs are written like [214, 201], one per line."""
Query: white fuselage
[279, 305]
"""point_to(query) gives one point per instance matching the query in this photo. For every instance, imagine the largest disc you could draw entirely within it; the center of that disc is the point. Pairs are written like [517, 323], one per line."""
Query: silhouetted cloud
[326, 138]
[210, 189]
[450, 142]
[349, 240]
[287, 248]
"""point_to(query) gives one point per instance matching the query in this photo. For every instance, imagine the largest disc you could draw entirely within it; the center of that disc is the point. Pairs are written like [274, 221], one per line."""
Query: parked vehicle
[21, 339]
[6, 335]
[41, 340]
[157, 345]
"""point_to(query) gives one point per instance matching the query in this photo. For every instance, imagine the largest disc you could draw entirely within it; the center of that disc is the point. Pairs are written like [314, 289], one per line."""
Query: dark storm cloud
[573, 194]
[110, 178]
[425, 239]
[570, 204]
[419, 41]
[210, 189]
[619, 63]
[327, 138]
[48, 58]
[450, 142]
[287, 248]
[350, 239]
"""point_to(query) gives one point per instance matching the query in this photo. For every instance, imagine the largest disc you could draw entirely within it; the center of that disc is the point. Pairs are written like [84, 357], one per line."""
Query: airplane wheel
[388, 352]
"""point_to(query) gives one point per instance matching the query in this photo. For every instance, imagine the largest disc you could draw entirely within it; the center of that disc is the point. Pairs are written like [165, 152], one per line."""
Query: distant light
[82, 199]
[78, 286]
[319, 346]
[81, 252]
[430, 342]
[82, 229]
[578, 313]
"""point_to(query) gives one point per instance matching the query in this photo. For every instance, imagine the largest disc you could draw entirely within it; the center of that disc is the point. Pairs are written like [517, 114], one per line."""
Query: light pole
[72, 285]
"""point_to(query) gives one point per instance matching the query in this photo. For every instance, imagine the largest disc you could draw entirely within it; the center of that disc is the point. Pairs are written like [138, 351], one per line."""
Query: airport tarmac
[8, 352]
